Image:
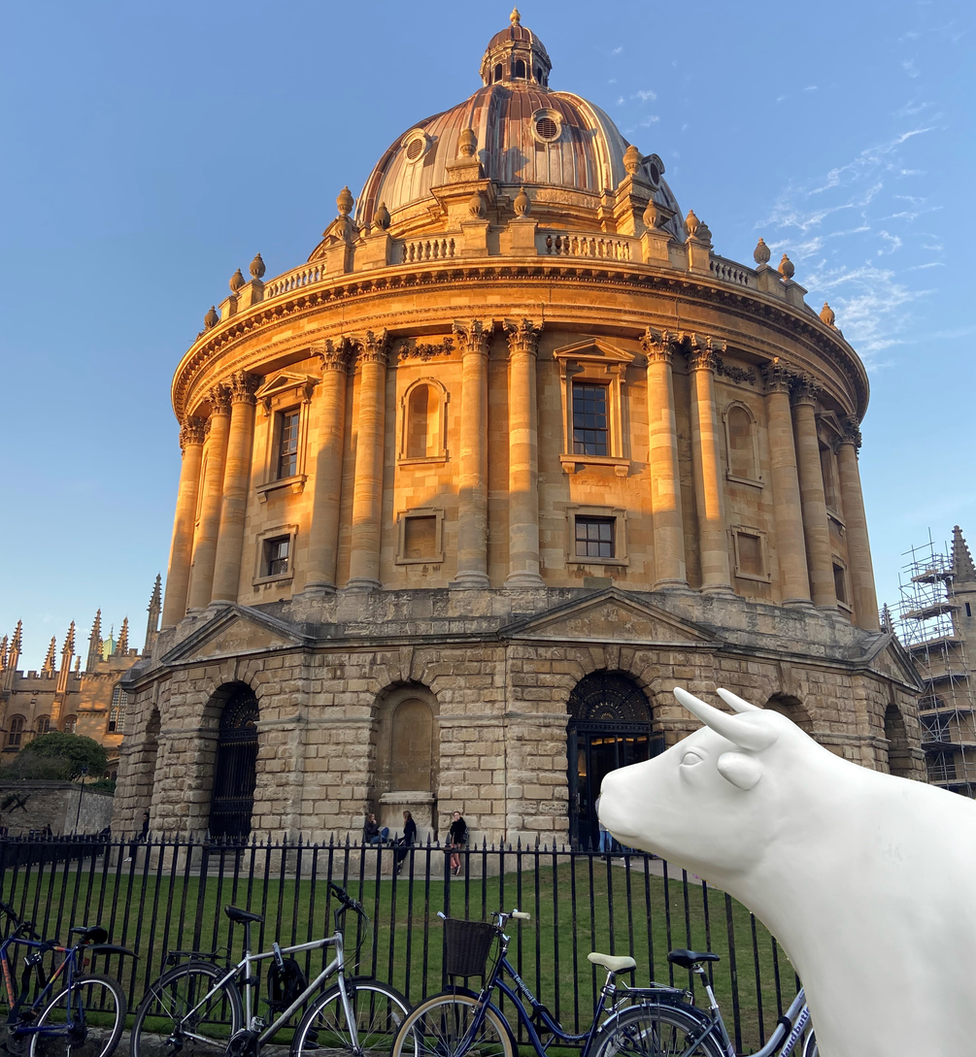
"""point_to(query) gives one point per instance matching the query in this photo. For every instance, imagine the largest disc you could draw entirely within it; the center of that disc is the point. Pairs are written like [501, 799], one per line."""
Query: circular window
[414, 149]
[655, 174]
[546, 129]
[414, 145]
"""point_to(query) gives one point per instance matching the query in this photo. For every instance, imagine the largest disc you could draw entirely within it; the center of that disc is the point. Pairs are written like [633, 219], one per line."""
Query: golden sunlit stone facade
[467, 493]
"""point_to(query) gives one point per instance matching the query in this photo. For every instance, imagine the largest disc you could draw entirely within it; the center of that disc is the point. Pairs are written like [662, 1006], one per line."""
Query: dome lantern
[516, 55]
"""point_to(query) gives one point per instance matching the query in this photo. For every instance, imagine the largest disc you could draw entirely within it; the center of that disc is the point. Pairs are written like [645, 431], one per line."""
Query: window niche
[597, 536]
[275, 555]
[407, 756]
[592, 377]
[751, 554]
[420, 536]
[284, 400]
[423, 423]
[742, 445]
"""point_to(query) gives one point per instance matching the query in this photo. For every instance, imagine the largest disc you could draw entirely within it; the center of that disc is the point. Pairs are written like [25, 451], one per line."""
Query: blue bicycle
[69, 1013]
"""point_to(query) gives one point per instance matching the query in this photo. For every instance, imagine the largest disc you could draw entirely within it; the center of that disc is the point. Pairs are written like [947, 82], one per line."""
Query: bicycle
[197, 1005]
[460, 1021]
[667, 1029]
[85, 1018]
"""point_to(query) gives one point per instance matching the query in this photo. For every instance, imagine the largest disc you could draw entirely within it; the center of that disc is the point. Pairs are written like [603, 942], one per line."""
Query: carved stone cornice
[193, 431]
[777, 376]
[372, 347]
[424, 350]
[852, 432]
[243, 386]
[660, 345]
[474, 336]
[523, 336]
[219, 396]
[335, 355]
[805, 390]
[703, 354]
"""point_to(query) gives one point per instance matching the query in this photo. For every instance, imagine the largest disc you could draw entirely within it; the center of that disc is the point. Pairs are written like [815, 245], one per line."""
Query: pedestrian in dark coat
[457, 837]
[405, 843]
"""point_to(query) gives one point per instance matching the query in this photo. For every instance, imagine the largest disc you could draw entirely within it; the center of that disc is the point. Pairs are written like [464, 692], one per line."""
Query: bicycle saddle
[89, 933]
[686, 959]
[612, 962]
[241, 916]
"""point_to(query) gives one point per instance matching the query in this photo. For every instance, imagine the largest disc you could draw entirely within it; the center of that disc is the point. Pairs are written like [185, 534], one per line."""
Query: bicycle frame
[16, 1002]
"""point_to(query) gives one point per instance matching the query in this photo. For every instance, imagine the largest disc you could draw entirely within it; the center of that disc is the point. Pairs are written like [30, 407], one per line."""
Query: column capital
[474, 336]
[193, 431]
[703, 354]
[334, 355]
[805, 390]
[659, 345]
[219, 397]
[523, 336]
[778, 376]
[243, 387]
[852, 432]
[372, 347]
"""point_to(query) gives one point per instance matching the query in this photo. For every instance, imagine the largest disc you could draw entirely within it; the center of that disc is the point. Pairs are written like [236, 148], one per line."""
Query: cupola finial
[515, 18]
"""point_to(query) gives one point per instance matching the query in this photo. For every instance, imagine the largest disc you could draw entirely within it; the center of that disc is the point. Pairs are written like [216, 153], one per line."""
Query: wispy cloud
[810, 88]
[617, 50]
[909, 67]
[644, 94]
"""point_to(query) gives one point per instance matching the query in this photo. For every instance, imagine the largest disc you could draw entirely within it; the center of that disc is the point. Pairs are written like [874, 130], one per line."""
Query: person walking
[142, 838]
[457, 837]
[405, 843]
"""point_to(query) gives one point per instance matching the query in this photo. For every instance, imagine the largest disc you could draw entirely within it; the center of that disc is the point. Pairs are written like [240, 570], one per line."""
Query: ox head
[714, 802]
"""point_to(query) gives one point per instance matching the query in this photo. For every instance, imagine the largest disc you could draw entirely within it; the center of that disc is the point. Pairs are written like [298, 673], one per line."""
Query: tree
[58, 755]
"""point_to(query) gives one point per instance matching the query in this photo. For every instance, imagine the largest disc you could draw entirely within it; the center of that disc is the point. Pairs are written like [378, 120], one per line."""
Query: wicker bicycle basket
[468, 944]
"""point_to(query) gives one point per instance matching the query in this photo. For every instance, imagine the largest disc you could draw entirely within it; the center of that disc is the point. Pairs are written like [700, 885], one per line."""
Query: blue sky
[151, 149]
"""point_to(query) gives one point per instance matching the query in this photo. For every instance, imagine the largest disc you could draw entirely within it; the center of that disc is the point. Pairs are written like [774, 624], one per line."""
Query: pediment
[234, 631]
[282, 382]
[609, 616]
[887, 655]
[593, 350]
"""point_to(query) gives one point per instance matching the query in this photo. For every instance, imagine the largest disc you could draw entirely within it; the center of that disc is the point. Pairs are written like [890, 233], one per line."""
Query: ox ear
[741, 770]
[746, 732]
[736, 703]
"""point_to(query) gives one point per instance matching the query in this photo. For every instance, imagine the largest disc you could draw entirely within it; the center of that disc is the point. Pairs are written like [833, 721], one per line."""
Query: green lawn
[577, 903]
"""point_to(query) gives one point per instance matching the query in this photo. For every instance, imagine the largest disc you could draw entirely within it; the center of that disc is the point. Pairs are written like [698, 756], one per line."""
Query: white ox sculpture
[868, 881]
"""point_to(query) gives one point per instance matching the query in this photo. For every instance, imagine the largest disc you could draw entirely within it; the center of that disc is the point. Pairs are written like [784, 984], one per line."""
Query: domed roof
[526, 135]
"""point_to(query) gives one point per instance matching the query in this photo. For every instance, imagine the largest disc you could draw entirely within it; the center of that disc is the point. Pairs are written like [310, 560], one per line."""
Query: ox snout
[617, 804]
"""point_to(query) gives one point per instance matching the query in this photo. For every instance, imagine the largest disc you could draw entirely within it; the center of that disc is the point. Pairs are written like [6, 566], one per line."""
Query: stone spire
[95, 643]
[155, 605]
[963, 571]
[49, 660]
[13, 656]
[67, 652]
[122, 646]
[3, 653]
[69, 642]
[887, 624]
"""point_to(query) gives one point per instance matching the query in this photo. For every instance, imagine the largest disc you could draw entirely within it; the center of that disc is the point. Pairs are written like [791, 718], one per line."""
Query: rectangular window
[750, 555]
[591, 429]
[276, 556]
[116, 714]
[595, 537]
[840, 584]
[287, 444]
[420, 537]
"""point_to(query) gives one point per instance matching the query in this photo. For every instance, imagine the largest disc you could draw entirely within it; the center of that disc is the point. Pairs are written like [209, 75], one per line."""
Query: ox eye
[690, 758]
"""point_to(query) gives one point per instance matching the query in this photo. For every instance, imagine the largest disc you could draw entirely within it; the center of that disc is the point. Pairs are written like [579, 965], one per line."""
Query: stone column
[523, 457]
[205, 539]
[472, 553]
[858, 546]
[181, 549]
[323, 536]
[790, 546]
[669, 540]
[367, 498]
[812, 497]
[713, 546]
[237, 480]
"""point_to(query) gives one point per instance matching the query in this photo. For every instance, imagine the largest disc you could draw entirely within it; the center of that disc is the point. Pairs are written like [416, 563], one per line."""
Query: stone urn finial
[653, 216]
[691, 223]
[761, 253]
[211, 319]
[257, 268]
[786, 268]
[632, 159]
[236, 281]
[704, 233]
[476, 205]
[345, 202]
[827, 315]
[467, 143]
[522, 204]
[381, 218]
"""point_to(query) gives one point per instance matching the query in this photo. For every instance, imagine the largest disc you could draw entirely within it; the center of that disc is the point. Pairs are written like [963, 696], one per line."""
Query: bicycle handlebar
[26, 927]
[346, 900]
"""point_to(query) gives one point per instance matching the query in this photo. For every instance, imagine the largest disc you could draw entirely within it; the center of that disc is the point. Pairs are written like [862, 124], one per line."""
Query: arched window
[412, 762]
[235, 773]
[791, 707]
[43, 725]
[519, 68]
[116, 713]
[69, 724]
[15, 731]
[741, 435]
[498, 72]
[418, 407]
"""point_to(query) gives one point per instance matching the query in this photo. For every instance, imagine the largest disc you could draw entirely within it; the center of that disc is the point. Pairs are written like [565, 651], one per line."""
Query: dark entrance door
[235, 773]
[609, 727]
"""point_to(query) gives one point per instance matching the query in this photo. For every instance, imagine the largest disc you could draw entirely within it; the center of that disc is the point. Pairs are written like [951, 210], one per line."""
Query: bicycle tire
[439, 1028]
[656, 1031]
[101, 1002]
[166, 1011]
[379, 1011]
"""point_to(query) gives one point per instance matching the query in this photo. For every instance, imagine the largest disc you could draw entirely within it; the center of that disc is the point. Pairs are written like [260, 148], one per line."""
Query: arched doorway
[235, 773]
[609, 727]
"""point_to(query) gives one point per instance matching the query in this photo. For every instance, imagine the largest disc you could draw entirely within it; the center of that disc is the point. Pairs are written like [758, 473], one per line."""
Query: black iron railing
[161, 896]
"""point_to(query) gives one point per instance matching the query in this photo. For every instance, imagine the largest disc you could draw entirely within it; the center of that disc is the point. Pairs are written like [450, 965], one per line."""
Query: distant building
[66, 697]
[937, 623]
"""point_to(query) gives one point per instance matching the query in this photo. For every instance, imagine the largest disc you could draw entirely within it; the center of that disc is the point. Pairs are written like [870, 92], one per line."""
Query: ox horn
[740, 732]
[736, 703]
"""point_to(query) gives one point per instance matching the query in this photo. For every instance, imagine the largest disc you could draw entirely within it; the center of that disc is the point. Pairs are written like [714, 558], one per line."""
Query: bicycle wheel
[176, 1007]
[441, 1027]
[379, 1011]
[84, 1020]
[656, 1031]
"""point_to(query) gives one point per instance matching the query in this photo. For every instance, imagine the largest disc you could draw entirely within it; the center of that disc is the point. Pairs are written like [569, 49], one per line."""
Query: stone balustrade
[435, 249]
[578, 245]
[295, 280]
